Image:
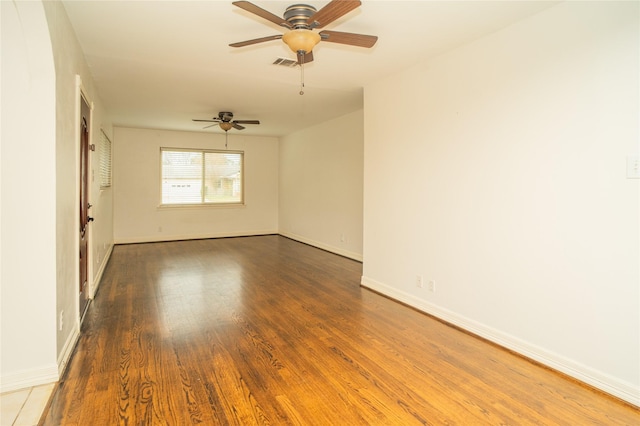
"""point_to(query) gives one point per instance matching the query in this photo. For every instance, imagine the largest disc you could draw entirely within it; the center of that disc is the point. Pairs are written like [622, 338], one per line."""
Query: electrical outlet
[432, 286]
[419, 281]
[61, 320]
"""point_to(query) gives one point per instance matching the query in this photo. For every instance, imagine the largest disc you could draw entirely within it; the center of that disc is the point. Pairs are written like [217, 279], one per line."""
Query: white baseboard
[611, 385]
[161, 238]
[28, 378]
[67, 350]
[300, 238]
[98, 276]
[333, 249]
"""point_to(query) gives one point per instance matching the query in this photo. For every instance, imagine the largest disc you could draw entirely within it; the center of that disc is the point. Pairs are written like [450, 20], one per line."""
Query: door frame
[81, 94]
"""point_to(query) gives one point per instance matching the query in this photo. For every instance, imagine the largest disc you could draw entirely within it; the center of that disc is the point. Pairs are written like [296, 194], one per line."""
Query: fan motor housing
[225, 116]
[298, 14]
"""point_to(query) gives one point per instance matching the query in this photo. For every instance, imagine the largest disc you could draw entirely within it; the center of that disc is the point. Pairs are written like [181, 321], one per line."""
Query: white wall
[28, 188]
[137, 217]
[321, 173]
[39, 272]
[506, 185]
[101, 241]
[70, 64]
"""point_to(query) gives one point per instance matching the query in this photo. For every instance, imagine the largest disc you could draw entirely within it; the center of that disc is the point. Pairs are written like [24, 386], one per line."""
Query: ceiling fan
[226, 122]
[301, 20]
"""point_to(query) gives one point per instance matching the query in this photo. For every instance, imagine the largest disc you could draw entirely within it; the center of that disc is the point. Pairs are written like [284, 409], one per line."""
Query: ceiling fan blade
[255, 41]
[308, 57]
[214, 124]
[360, 40]
[250, 7]
[246, 121]
[210, 121]
[237, 126]
[332, 11]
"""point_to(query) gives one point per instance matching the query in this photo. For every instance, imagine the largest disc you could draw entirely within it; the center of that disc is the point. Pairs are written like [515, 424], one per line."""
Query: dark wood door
[84, 207]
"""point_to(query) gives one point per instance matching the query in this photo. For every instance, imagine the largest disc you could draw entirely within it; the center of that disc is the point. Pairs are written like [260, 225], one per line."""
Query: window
[201, 177]
[105, 160]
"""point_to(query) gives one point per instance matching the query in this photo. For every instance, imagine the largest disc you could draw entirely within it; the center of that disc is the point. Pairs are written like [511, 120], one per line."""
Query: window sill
[200, 206]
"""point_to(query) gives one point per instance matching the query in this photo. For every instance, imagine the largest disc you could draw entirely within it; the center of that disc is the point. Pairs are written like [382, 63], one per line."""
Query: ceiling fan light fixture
[301, 40]
[226, 126]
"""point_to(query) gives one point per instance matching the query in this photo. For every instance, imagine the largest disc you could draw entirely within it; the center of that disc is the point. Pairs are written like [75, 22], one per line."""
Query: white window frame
[203, 203]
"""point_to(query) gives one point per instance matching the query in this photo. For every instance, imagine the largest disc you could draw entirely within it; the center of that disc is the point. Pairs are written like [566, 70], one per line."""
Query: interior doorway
[85, 125]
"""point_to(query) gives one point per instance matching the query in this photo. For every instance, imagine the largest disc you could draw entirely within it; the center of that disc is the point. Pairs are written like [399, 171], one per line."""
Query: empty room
[331, 213]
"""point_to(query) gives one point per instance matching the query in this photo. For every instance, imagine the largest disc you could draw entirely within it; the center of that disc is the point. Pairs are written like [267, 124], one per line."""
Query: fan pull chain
[226, 137]
[301, 61]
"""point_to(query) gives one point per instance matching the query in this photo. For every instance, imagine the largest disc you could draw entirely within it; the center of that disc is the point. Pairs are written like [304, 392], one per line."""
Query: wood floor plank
[269, 331]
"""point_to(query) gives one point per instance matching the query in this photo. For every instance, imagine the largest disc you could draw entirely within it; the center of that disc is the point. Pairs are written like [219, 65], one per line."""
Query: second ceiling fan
[301, 20]
[226, 122]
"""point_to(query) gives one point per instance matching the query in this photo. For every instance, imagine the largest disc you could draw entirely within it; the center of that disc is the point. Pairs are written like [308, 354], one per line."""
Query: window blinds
[105, 160]
[201, 176]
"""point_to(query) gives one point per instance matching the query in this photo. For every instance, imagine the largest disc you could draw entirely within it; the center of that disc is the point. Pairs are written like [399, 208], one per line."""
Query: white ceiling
[159, 64]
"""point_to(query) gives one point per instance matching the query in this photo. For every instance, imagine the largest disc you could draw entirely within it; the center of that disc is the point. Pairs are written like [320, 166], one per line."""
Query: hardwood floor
[265, 330]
